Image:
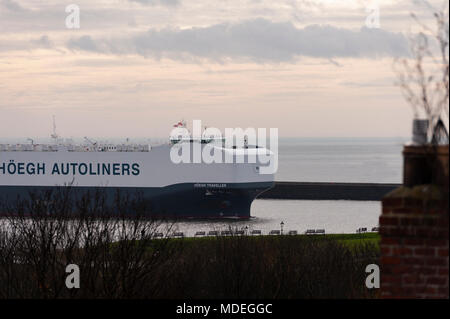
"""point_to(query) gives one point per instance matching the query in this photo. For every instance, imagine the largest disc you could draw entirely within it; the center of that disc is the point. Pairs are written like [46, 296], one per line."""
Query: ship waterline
[185, 200]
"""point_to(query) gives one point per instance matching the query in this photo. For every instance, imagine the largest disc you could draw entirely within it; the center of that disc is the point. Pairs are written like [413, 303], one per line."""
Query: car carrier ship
[169, 190]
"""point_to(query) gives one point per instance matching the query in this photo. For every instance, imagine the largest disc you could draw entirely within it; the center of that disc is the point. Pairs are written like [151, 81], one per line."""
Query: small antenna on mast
[54, 135]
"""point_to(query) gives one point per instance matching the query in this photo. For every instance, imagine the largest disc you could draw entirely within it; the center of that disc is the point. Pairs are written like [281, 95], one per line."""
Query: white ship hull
[169, 189]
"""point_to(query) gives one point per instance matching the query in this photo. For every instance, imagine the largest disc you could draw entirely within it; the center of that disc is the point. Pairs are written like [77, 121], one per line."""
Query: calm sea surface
[372, 160]
[300, 215]
[375, 160]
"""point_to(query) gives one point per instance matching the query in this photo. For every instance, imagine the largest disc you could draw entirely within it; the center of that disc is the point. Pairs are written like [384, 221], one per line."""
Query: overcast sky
[136, 67]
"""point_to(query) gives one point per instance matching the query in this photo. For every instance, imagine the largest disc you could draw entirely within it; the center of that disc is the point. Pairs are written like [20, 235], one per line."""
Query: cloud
[11, 5]
[157, 2]
[43, 42]
[26, 44]
[258, 40]
[84, 43]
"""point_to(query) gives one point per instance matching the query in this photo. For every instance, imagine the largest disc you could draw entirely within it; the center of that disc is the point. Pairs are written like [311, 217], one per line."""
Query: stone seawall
[328, 191]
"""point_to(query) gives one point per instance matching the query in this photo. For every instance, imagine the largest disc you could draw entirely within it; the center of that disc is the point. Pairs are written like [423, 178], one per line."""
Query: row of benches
[364, 230]
[254, 232]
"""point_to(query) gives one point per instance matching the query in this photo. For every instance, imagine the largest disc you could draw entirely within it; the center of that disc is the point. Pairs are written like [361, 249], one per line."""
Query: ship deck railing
[74, 148]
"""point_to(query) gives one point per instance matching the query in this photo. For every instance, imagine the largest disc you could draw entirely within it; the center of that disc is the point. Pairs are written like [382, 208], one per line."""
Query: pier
[328, 191]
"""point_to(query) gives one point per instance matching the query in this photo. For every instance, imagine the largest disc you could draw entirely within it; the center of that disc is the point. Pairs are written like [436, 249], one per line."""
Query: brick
[413, 279]
[396, 231]
[415, 203]
[443, 291]
[391, 241]
[436, 280]
[437, 262]
[392, 202]
[424, 251]
[414, 261]
[437, 242]
[402, 211]
[430, 222]
[386, 294]
[401, 269]
[402, 251]
[414, 241]
[388, 260]
[405, 221]
[426, 270]
[387, 220]
[390, 279]
[443, 271]
[443, 252]
[385, 250]
[435, 205]
[423, 232]
[428, 290]
[443, 233]
[410, 290]
[430, 232]
[396, 290]
[385, 230]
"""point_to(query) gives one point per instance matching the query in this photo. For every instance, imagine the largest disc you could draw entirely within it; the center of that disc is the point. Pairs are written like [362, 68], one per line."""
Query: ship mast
[54, 136]
[94, 144]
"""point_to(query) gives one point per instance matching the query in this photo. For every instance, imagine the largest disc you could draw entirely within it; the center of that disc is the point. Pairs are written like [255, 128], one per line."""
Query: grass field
[350, 239]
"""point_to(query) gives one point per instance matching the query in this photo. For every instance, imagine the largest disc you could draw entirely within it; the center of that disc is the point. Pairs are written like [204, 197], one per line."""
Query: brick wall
[414, 233]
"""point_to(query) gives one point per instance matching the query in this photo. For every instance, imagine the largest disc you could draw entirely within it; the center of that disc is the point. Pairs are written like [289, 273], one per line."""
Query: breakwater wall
[328, 191]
